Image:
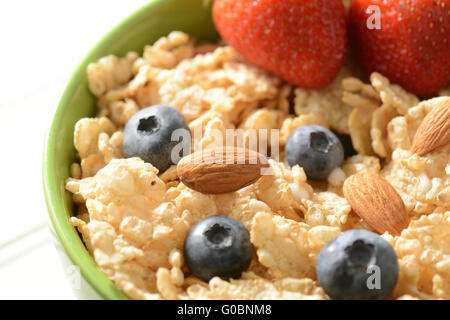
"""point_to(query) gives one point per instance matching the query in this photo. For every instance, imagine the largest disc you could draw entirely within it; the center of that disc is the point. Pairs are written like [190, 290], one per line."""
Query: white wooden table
[41, 42]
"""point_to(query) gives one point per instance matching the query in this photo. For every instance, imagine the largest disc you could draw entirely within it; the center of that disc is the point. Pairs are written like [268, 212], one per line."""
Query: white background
[41, 43]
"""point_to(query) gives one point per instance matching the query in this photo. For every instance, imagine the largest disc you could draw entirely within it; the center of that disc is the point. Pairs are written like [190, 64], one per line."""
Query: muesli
[134, 218]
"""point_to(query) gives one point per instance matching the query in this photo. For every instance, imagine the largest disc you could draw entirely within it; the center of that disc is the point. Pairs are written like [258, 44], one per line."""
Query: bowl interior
[145, 26]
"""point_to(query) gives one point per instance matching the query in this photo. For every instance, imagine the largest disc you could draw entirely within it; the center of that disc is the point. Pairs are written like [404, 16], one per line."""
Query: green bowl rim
[69, 239]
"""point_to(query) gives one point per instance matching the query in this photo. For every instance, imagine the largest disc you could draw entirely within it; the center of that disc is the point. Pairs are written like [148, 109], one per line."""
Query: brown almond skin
[434, 131]
[203, 172]
[374, 199]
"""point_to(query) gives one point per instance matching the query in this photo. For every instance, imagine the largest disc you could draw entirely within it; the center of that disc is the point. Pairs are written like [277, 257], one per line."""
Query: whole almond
[374, 199]
[434, 131]
[221, 170]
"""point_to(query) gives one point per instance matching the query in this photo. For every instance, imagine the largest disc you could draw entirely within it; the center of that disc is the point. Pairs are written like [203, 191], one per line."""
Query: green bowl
[145, 26]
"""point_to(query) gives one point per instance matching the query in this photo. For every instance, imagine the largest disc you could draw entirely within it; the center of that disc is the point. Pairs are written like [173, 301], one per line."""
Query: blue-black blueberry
[218, 246]
[148, 135]
[357, 265]
[316, 149]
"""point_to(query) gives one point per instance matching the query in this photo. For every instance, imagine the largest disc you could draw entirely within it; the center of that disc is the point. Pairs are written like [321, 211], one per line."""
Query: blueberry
[357, 265]
[148, 135]
[218, 246]
[316, 149]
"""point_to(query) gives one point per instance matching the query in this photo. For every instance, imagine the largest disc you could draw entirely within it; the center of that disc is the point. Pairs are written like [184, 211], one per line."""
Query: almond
[434, 131]
[374, 199]
[221, 170]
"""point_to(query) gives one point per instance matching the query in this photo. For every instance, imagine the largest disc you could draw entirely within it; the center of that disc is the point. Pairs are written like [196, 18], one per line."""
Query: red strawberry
[412, 48]
[302, 41]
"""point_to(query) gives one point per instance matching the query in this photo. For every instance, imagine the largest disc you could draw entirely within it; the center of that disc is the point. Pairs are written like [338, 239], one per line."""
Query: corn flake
[424, 256]
[256, 288]
[109, 73]
[327, 101]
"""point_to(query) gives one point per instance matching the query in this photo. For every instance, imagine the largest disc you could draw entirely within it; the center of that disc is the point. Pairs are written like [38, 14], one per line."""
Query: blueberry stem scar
[219, 236]
[149, 125]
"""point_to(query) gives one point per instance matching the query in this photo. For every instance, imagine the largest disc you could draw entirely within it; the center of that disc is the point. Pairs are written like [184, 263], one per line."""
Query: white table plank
[42, 42]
